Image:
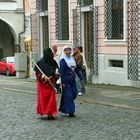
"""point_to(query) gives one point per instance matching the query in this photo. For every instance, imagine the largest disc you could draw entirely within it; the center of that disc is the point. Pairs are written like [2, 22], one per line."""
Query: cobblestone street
[18, 119]
[51, 49]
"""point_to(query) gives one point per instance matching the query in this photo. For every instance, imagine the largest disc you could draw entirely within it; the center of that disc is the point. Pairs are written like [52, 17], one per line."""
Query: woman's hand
[45, 78]
[63, 85]
[57, 76]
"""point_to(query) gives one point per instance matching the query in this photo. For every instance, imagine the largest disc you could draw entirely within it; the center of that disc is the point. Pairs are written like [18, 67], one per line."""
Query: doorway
[88, 39]
[6, 40]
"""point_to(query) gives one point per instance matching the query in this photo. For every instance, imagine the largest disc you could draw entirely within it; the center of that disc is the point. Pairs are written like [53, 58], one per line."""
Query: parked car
[7, 65]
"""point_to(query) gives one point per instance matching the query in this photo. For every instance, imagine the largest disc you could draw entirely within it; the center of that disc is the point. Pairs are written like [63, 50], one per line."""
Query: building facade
[11, 26]
[106, 29]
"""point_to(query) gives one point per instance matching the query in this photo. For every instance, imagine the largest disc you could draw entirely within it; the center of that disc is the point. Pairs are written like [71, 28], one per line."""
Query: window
[86, 2]
[45, 32]
[43, 5]
[114, 19]
[62, 19]
[116, 63]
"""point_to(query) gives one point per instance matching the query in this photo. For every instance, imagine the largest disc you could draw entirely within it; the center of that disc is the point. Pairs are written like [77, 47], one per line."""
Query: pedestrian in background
[69, 92]
[79, 62]
[57, 55]
[46, 99]
[84, 73]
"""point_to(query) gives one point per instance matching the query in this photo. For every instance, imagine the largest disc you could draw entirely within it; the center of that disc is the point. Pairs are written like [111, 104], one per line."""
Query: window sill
[115, 42]
[85, 9]
[43, 13]
[64, 42]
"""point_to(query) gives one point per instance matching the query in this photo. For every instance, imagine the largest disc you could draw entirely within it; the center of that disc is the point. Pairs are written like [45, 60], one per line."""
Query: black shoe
[71, 115]
[51, 118]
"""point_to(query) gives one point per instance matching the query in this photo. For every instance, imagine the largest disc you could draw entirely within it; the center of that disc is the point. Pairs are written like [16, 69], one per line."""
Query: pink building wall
[33, 6]
[108, 50]
[73, 4]
[102, 47]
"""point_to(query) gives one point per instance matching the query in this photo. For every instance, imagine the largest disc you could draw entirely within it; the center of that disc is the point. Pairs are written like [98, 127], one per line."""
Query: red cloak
[46, 98]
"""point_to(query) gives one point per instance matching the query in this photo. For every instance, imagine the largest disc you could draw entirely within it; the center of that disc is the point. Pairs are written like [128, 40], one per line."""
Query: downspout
[19, 35]
[21, 58]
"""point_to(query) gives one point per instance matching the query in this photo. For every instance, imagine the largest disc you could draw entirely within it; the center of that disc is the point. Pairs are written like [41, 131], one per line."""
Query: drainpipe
[24, 26]
[21, 58]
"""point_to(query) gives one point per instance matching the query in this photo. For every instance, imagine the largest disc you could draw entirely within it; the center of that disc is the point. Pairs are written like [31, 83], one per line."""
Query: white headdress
[69, 60]
[67, 47]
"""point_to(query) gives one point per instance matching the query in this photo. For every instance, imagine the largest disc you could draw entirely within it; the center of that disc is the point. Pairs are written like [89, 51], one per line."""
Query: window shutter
[77, 26]
[108, 18]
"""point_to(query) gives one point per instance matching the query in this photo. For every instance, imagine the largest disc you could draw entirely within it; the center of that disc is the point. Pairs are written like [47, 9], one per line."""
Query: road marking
[137, 108]
[19, 90]
[132, 96]
[13, 82]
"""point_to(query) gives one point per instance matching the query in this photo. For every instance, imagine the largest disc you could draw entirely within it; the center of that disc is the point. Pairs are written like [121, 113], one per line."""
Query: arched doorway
[7, 41]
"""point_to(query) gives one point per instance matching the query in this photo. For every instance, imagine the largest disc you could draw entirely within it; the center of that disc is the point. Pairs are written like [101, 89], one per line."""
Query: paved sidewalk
[124, 97]
[117, 96]
[111, 95]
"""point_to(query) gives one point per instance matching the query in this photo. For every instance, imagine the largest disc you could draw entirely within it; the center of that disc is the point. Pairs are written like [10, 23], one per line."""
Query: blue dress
[69, 91]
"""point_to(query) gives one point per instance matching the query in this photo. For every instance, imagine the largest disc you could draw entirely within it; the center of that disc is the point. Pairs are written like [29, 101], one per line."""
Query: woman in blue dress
[69, 92]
